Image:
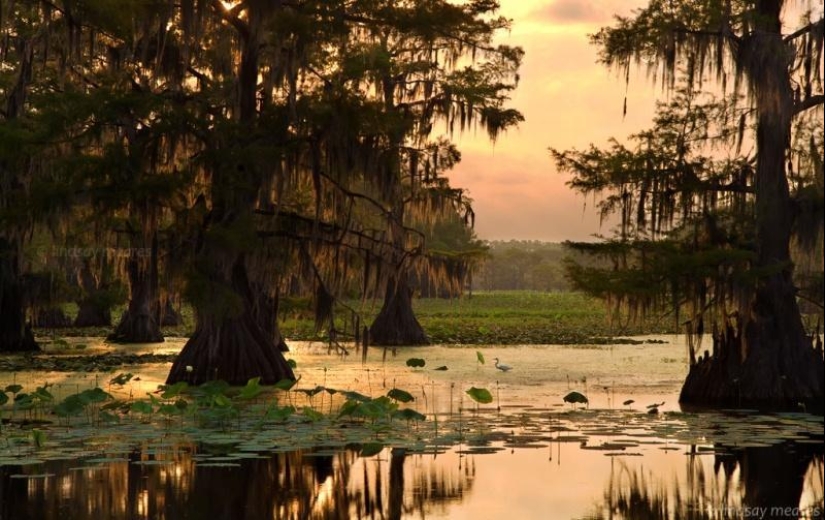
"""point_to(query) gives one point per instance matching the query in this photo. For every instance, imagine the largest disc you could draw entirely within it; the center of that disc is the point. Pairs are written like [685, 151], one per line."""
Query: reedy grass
[485, 317]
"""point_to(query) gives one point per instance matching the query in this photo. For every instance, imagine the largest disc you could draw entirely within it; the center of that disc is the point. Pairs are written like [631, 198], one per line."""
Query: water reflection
[289, 486]
[558, 462]
[784, 482]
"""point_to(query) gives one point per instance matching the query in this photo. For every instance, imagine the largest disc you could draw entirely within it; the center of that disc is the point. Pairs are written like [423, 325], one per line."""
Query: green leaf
[94, 395]
[144, 407]
[23, 401]
[312, 415]
[14, 388]
[38, 438]
[42, 394]
[280, 414]
[172, 391]
[252, 388]
[121, 379]
[355, 396]
[109, 418]
[575, 397]
[480, 395]
[416, 362]
[70, 406]
[400, 395]
[4, 398]
[285, 384]
[115, 405]
[480, 357]
[441, 368]
[221, 400]
[292, 363]
[312, 392]
[213, 387]
[371, 449]
[409, 414]
[350, 407]
[169, 409]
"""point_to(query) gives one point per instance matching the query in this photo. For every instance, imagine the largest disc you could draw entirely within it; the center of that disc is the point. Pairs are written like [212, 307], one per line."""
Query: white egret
[503, 368]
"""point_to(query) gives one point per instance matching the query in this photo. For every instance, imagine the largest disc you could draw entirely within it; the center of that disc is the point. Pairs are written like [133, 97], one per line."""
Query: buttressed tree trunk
[139, 324]
[266, 314]
[169, 316]
[15, 334]
[228, 343]
[765, 359]
[396, 323]
[92, 311]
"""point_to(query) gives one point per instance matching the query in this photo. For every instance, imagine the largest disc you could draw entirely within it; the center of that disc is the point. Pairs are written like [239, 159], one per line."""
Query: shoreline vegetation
[477, 318]
[520, 317]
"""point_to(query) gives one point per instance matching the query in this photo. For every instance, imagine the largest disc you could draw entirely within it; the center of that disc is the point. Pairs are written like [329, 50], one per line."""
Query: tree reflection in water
[294, 485]
[783, 481]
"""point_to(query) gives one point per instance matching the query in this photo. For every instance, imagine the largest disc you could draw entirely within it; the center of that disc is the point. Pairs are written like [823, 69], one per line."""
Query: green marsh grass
[483, 317]
[503, 318]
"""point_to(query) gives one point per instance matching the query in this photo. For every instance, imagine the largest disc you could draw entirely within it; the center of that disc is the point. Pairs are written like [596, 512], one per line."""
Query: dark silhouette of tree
[710, 232]
[412, 56]
[771, 482]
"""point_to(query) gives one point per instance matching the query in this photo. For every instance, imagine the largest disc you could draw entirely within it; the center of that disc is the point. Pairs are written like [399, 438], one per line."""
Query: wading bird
[503, 368]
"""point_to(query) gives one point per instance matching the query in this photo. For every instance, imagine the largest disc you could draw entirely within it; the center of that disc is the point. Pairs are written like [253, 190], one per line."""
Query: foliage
[480, 395]
[693, 222]
[523, 265]
[575, 398]
[254, 146]
[714, 199]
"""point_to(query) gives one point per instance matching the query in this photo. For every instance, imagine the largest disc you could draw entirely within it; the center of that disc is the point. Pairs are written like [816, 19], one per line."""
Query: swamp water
[525, 455]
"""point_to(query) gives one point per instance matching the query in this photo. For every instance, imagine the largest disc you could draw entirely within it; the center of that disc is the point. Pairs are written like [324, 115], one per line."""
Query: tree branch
[804, 30]
[230, 15]
[807, 103]
[725, 33]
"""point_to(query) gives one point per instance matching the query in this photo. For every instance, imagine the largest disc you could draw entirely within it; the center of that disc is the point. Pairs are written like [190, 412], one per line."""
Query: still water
[526, 455]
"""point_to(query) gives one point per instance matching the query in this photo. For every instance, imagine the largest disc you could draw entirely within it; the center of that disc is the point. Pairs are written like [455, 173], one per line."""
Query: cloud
[570, 11]
[590, 12]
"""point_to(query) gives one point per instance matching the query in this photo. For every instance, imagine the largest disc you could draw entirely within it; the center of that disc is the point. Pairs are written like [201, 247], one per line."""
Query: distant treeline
[524, 265]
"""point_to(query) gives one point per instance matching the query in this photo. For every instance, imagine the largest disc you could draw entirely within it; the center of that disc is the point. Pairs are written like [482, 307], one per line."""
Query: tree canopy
[722, 198]
[244, 146]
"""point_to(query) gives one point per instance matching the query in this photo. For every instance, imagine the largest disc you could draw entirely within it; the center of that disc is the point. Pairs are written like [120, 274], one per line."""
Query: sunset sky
[568, 100]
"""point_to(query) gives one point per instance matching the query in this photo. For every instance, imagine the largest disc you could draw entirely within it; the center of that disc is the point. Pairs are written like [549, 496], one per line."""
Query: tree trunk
[169, 316]
[92, 311]
[52, 318]
[774, 478]
[396, 498]
[265, 311]
[396, 324]
[91, 314]
[230, 346]
[140, 322]
[228, 343]
[15, 334]
[765, 359]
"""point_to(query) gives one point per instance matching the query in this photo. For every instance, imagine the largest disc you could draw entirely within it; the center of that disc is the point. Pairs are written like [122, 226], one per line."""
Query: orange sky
[568, 100]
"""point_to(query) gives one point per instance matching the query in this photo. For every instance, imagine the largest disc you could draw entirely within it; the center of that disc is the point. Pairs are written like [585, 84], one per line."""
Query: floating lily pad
[21, 462]
[106, 460]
